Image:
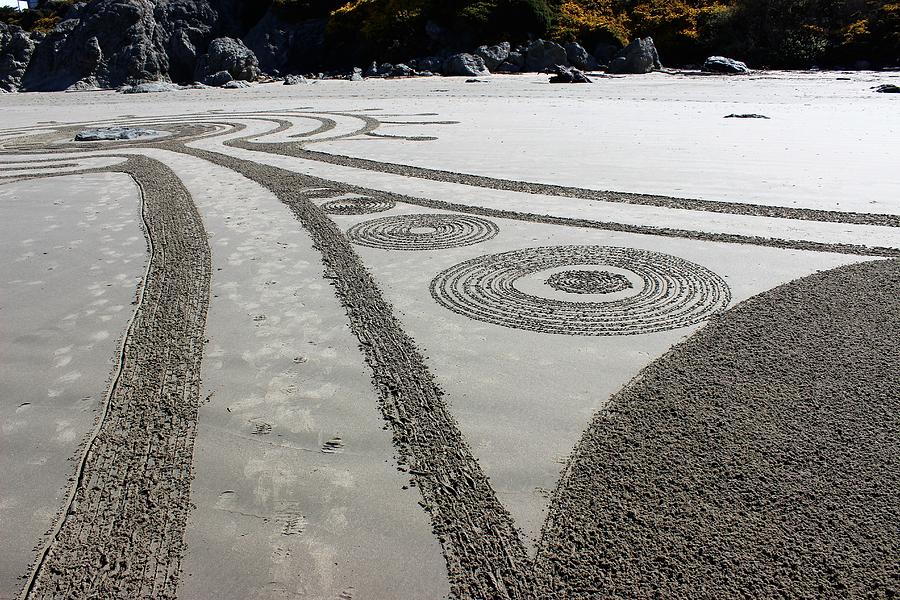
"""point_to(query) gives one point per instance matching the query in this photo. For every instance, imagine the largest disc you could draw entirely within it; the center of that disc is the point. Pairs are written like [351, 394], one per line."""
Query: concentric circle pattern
[589, 282]
[422, 232]
[357, 206]
[674, 293]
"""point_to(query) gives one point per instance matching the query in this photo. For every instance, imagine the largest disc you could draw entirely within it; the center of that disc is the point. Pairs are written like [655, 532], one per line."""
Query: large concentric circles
[669, 292]
[422, 232]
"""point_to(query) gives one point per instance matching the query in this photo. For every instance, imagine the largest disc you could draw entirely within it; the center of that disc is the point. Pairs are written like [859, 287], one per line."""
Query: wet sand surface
[73, 253]
[406, 340]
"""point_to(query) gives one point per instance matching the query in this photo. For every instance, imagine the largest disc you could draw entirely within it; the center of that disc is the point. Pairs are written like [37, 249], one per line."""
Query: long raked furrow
[122, 533]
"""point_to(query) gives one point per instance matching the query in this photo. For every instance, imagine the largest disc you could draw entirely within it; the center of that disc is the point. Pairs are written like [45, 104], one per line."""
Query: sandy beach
[433, 339]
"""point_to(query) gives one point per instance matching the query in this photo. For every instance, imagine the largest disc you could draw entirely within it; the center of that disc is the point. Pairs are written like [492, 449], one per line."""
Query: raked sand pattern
[755, 458]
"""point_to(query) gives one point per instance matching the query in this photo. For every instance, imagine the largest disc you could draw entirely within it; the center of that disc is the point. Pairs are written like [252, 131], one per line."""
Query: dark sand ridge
[122, 533]
[486, 558]
[756, 459]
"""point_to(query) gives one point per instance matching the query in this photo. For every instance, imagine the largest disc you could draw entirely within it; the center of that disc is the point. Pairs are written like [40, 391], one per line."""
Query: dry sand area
[433, 339]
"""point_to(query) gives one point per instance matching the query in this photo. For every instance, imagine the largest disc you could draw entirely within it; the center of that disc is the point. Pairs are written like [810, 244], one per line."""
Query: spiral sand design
[674, 293]
[422, 232]
[357, 206]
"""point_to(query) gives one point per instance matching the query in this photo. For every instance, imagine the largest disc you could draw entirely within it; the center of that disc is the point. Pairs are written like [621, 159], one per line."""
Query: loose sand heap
[373, 354]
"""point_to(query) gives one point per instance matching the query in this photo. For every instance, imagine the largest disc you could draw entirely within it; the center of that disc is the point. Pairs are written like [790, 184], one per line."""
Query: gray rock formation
[494, 56]
[429, 63]
[729, 66]
[150, 87]
[228, 54]
[514, 63]
[236, 84]
[103, 42]
[294, 80]
[640, 56]
[16, 48]
[887, 88]
[542, 55]
[568, 75]
[372, 70]
[218, 78]
[465, 65]
[113, 133]
[580, 58]
[356, 75]
[402, 70]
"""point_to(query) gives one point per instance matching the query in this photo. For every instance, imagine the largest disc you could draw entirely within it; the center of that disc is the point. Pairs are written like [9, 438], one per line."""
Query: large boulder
[434, 64]
[495, 55]
[103, 42]
[568, 75]
[542, 55]
[190, 25]
[228, 54]
[640, 56]
[218, 79]
[514, 63]
[728, 66]
[16, 48]
[579, 57]
[465, 65]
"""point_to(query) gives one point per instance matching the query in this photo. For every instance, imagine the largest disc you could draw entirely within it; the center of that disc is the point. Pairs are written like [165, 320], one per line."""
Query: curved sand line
[122, 532]
[756, 459]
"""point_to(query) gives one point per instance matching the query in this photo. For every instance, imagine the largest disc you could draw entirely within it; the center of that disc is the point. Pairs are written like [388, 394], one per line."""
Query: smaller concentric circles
[357, 206]
[422, 232]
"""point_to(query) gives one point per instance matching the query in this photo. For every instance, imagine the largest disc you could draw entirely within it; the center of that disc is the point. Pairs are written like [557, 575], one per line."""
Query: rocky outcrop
[113, 133]
[568, 75]
[640, 56]
[514, 63]
[580, 58]
[16, 48]
[104, 43]
[465, 65]
[494, 56]
[218, 78]
[541, 55]
[189, 26]
[230, 55]
[283, 47]
[887, 88]
[432, 64]
[728, 66]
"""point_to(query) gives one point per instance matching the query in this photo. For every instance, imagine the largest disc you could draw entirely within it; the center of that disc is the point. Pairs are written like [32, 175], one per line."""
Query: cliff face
[109, 43]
